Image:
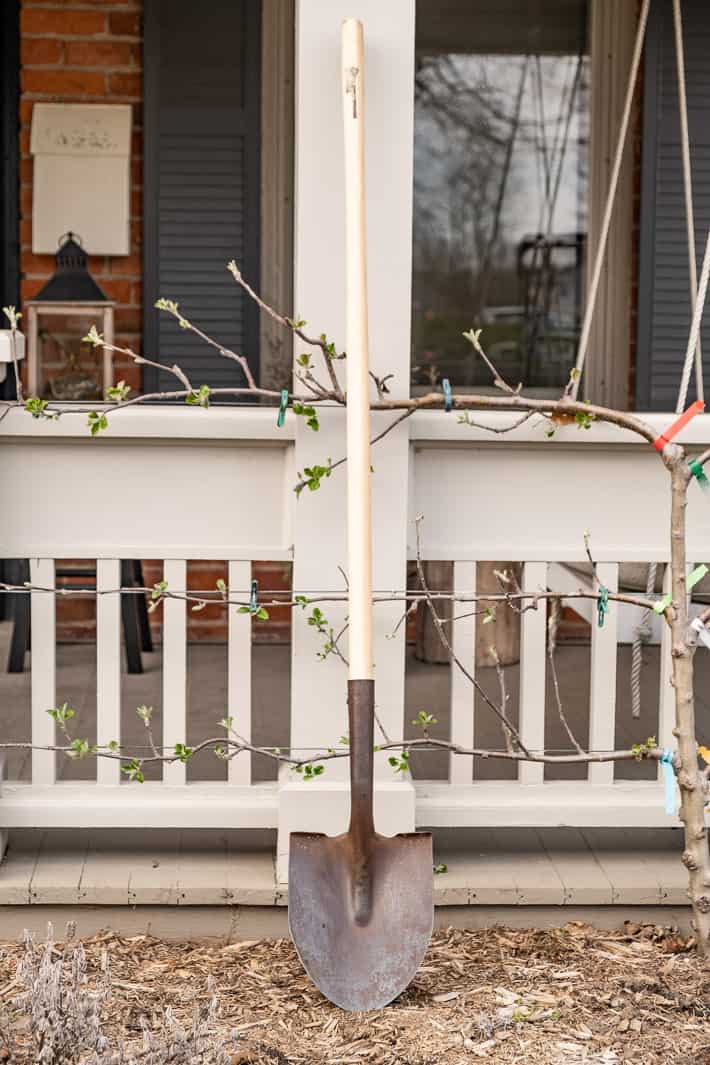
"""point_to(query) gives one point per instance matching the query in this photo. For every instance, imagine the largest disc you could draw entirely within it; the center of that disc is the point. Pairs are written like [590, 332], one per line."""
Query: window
[500, 189]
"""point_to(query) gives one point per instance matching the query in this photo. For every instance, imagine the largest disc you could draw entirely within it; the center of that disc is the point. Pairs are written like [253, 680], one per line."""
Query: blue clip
[282, 408]
[254, 600]
[602, 605]
[669, 781]
[448, 398]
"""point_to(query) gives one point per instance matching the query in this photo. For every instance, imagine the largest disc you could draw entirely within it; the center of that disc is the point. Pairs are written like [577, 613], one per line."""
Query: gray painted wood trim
[277, 178]
[611, 33]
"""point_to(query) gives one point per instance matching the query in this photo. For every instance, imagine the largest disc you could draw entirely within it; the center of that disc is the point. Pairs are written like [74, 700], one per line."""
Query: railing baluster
[108, 666]
[602, 692]
[239, 672]
[43, 661]
[462, 693]
[532, 672]
[174, 667]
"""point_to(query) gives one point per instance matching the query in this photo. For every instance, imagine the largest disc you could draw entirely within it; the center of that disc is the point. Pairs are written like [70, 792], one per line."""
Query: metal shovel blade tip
[361, 961]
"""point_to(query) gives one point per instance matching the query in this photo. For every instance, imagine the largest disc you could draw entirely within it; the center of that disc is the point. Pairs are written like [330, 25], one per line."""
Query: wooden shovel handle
[358, 407]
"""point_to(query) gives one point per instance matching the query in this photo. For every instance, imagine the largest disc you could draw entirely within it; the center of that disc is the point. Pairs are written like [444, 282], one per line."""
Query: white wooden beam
[462, 691]
[602, 694]
[532, 673]
[43, 663]
[108, 666]
[239, 671]
[174, 667]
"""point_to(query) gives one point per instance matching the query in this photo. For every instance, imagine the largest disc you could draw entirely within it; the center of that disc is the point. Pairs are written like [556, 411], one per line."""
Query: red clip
[665, 438]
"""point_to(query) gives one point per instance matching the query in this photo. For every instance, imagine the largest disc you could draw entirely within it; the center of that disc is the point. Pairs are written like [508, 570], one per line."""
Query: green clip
[697, 575]
[602, 605]
[699, 473]
[662, 605]
[282, 408]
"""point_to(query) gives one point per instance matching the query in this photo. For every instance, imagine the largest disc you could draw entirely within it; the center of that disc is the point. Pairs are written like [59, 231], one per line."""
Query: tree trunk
[503, 634]
[692, 783]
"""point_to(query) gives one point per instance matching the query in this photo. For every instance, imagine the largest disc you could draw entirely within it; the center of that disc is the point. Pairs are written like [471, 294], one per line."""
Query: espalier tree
[317, 383]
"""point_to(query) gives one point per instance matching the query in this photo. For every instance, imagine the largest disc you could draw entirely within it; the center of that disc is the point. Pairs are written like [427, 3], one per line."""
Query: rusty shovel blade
[360, 965]
[361, 905]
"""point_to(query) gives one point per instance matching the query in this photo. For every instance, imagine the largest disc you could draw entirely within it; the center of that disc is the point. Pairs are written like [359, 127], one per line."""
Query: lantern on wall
[71, 292]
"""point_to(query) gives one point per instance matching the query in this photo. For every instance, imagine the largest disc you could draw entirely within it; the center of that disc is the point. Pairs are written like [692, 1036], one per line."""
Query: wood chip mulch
[569, 996]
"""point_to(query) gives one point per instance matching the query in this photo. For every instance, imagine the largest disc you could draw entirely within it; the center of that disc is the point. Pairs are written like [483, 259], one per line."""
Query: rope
[610, 199]
[641, 636]
[693, 353]
[688, 193]
[693, 343]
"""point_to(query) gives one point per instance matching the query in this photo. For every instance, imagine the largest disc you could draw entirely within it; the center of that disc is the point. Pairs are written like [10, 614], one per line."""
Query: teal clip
[602, 605]
[254, 600]
[282, 408]
[669, 781]
[448, 398]
[700, 475]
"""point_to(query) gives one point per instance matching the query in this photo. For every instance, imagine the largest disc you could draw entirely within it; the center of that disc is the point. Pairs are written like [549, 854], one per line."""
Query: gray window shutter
[201, 190]
[664, 310]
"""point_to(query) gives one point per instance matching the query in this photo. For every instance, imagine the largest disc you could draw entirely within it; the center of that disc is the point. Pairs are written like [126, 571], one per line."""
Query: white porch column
[318, 710]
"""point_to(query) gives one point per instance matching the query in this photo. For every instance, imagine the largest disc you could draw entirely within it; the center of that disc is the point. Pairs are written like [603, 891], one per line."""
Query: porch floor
[505, 875]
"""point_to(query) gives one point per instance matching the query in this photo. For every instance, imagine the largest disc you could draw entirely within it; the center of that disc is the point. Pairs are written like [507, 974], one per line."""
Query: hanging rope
[610, 199]
[693, 342]
[688, 193]
[693, 352]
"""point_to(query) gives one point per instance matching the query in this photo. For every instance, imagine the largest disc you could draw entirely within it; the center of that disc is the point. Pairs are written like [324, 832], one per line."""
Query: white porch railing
[189, 484]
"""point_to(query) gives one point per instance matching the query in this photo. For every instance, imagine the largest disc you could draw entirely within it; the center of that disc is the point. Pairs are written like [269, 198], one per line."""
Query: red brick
[127, 5]
[130, 374]
[67, 83]
[116, 289]
[24, 142]
[26, 108]
[26, 232]
[38, 265]
[26, 170]
[125, 266]
[96, 264]
[125, 23]
[100, 54]
[128, 320]
[26, 199]
[66, 23]
[30, 288]
[42, 51]
[125, 84]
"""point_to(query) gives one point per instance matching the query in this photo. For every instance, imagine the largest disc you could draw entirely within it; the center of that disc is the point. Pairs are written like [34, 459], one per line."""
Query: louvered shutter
[201, 192]
[664, 296]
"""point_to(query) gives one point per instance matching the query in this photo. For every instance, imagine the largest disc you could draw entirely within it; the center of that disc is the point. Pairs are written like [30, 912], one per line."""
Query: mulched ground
[571, 996]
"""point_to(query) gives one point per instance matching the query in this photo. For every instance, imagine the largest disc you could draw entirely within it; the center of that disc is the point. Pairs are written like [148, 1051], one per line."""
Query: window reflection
[500, 189]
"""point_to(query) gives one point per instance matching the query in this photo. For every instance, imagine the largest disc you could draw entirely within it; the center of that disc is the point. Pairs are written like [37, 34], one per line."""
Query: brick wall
[90, 51]
[83, 51]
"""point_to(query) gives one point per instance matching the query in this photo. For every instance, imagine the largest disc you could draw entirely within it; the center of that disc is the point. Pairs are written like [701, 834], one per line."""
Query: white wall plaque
[82, 176]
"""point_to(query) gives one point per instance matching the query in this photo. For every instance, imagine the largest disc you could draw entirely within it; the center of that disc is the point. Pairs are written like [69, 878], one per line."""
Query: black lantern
[71, 292]
[71, 282]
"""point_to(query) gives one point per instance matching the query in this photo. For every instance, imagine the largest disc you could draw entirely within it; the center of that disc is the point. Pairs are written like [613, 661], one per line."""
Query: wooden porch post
[318, 710]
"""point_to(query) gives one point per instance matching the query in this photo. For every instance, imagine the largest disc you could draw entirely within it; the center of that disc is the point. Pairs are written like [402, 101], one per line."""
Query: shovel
[360, 904]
